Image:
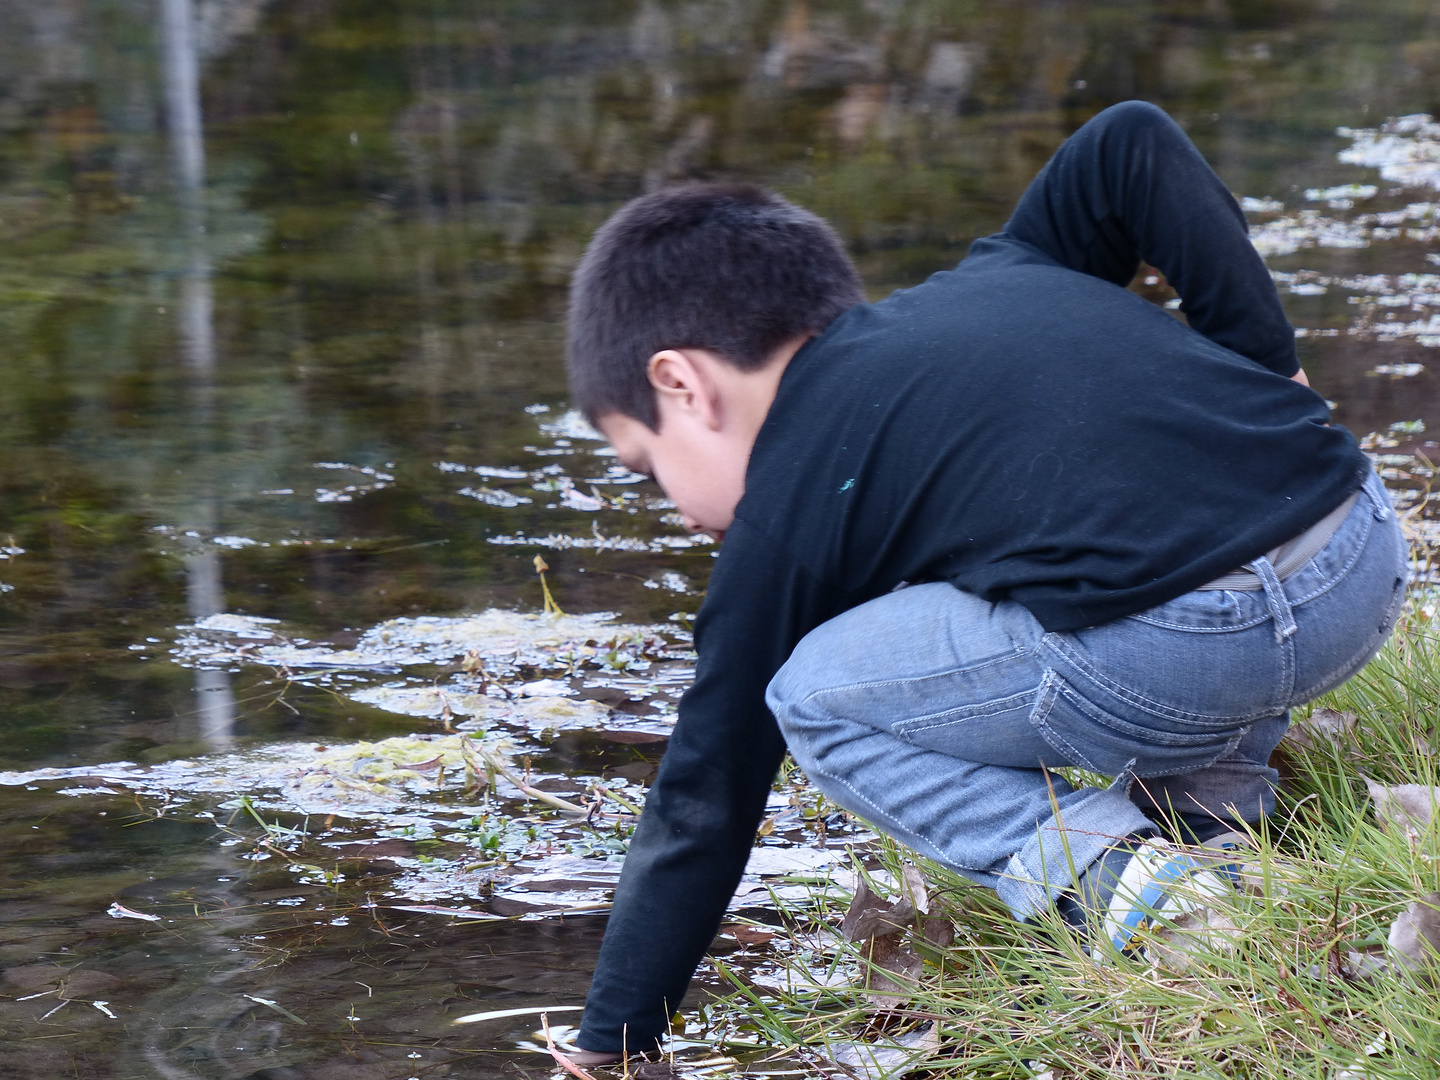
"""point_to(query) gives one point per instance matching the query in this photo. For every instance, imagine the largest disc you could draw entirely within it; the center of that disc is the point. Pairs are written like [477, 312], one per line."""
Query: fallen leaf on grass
[869, 916]
[1321, 727]
[891, 968]
[938, 930]
[1410, 807]
[1415, 935]
[886, 1060]
[1192, 935]
[1377, 1046]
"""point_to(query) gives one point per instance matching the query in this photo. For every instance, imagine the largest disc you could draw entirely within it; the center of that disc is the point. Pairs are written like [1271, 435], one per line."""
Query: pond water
[283, 430]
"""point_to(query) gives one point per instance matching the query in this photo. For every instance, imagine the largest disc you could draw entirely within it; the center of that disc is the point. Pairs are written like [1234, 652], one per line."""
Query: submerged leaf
[274, 1005]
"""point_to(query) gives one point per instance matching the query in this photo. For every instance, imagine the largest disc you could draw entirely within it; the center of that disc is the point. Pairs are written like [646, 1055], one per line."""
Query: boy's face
[702, 472]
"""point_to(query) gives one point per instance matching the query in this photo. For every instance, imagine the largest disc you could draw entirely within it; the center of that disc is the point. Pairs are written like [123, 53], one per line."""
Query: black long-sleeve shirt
[1022, 427]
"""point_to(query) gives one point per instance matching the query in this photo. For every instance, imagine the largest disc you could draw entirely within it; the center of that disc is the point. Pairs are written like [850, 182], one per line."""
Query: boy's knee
[788, 688]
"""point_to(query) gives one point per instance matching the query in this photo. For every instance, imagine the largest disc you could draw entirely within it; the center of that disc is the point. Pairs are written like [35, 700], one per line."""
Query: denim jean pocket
[1103, 742]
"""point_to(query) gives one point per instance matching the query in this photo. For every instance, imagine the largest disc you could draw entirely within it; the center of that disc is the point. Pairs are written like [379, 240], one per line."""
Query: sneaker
[1160, 883]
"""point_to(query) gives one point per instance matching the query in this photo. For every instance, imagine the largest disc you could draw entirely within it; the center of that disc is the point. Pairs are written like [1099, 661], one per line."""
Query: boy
[1124, 543]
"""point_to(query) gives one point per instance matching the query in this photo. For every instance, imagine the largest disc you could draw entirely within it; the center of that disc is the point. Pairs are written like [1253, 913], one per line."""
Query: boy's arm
[1130, 185]
[702, 810]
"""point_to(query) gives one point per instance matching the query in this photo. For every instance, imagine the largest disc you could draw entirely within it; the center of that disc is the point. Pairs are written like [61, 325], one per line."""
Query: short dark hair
[732, 268]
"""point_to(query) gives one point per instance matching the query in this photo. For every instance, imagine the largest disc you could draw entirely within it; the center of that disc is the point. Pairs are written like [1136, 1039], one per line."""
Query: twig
[560, 1059]
[535, 793]
[626, 803]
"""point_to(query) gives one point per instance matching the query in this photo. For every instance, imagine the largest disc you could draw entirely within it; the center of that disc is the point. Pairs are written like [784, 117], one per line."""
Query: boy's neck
[749, 394]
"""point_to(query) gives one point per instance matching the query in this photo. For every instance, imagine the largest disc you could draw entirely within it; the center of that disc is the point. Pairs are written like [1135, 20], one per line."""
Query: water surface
[278, 277]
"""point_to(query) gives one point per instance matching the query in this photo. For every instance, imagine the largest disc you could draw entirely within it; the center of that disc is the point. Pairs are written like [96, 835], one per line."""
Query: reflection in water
[204, 589]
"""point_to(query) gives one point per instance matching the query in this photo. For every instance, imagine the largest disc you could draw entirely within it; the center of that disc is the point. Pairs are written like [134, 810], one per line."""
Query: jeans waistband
[1290, 556]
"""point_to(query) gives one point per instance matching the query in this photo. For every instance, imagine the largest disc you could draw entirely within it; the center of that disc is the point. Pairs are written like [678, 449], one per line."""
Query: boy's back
[1025, 431]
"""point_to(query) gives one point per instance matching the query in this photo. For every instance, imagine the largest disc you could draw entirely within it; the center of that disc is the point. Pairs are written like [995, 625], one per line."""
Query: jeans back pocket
[1105, 743]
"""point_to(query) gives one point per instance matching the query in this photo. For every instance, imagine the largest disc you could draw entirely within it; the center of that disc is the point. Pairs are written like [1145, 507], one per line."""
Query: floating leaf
[749, 935]
[120, 911]
[889, 1059]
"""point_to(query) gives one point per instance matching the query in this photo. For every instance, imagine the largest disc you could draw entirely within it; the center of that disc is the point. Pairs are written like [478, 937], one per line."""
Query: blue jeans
[935, 714]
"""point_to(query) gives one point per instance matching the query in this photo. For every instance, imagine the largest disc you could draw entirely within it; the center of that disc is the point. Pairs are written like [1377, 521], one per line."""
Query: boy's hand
[1301, 377]
[594, 1057]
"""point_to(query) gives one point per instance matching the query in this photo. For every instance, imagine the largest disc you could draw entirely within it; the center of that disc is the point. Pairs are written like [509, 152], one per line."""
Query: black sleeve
[1130, 185]
[701, 812]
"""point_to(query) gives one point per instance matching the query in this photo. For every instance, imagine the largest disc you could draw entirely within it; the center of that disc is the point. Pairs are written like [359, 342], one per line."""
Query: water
[278, 278]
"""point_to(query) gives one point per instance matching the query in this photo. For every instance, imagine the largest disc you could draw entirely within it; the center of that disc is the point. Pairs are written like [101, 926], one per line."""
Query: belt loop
[1275, 597]
[1379, 497]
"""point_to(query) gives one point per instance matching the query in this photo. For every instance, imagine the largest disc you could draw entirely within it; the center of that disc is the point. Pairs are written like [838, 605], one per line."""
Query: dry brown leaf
[749, 935]
[938, 931]
[1415, 935]
[891, 970]
[869, 916]
[1410, 807]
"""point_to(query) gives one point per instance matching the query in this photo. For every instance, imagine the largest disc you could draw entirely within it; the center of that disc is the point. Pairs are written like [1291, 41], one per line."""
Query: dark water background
[347, 244]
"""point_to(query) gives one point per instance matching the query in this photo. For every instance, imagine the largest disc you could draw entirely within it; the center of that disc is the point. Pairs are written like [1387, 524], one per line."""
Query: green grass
[1277, 996]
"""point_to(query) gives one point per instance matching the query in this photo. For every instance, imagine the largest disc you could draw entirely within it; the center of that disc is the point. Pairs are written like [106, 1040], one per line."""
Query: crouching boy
[1013, 518]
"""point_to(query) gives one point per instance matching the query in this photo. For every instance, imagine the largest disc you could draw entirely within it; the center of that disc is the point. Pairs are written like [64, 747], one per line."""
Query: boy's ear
[685, 385]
